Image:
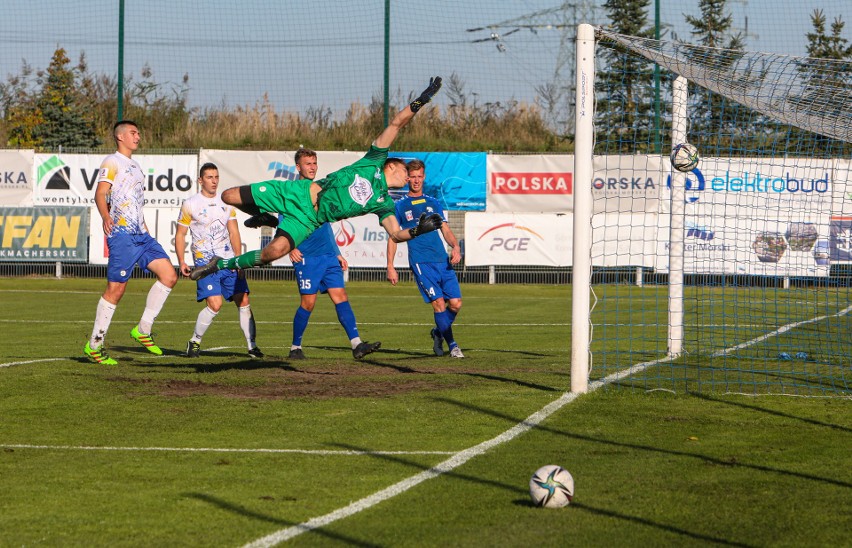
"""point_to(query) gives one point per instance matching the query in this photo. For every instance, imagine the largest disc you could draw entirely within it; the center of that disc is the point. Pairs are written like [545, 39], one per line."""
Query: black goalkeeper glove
[428, 93]
[426, 223]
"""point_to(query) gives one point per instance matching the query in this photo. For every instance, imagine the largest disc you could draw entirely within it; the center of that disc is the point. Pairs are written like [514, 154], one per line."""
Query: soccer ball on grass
[551, 487]
[684, 157]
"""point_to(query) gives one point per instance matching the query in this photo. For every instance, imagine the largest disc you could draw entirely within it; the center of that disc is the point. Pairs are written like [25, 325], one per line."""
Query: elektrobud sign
[70, 179]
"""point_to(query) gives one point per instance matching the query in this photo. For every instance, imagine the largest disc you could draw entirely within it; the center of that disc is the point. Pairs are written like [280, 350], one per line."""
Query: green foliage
[715, 120]
[625, 86]
[828, 79]
[52, 111]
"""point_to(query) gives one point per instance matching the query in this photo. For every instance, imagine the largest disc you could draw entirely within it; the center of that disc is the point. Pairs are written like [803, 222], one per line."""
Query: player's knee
[169, 279]
[231, 196]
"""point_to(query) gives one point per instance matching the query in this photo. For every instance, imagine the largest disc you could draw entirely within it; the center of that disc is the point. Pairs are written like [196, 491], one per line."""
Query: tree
[48, 110]
[67, 120]
[625, 113]
[827, 77]
[713, 118]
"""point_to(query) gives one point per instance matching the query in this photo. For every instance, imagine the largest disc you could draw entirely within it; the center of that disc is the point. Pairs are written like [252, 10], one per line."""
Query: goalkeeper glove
[426, 224]
[428, 93]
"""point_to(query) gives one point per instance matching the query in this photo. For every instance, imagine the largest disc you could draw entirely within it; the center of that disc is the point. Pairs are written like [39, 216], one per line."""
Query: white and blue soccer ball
[551, 487]
[684, 157]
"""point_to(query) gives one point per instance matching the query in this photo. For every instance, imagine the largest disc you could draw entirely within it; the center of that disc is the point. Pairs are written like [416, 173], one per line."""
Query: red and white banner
[535, 183]
[521, 239]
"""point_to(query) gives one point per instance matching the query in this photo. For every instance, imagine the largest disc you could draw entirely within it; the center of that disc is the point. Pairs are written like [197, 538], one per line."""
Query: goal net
[735, 276]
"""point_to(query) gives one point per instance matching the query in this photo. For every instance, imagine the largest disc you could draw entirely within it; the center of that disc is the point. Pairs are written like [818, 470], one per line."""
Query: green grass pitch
[224, 450]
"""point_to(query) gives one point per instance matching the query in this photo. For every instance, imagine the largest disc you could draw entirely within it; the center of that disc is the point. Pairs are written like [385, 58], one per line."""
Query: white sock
[103, 317]
[355, 342]
[205, 318]
[247, 325]
[156, 299]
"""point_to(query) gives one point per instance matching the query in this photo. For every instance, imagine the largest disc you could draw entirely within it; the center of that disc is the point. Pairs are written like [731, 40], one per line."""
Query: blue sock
[445, 325]
[452, 316]
[347, 319]
[300, 323]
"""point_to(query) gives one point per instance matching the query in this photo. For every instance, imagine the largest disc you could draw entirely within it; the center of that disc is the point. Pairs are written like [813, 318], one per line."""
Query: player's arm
[101, 194]
[393, 276]
[344, 264]
[450, 238]
[387, 137]
[180, 248]
[296, 256]
[426, 223]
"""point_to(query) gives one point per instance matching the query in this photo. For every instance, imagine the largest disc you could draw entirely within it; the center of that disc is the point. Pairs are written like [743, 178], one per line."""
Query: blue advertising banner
[456, 179]
[44, 233]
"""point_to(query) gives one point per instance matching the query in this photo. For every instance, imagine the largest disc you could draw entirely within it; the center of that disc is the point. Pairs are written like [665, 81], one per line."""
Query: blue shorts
[128, 250]
[224, 282]
[436, 281]
[318, 274]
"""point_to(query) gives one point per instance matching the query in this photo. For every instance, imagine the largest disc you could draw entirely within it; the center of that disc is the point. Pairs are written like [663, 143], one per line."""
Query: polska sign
[503, 182]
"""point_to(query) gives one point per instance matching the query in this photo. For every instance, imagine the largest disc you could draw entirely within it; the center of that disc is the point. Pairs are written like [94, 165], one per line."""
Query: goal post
[747, 259]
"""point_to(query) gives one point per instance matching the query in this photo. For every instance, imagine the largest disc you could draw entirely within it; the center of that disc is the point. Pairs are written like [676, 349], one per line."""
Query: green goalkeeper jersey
[356, 190]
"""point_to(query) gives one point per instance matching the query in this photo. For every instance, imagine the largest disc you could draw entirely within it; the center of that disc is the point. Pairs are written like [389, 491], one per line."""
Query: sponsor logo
[13, 178]
[283, 171]
[623, 183]
[55, 174]
[746, 182]
[512, 237]
[700, 232]
[840, 240]
[361, 190]
[344, 233]
[532, 183]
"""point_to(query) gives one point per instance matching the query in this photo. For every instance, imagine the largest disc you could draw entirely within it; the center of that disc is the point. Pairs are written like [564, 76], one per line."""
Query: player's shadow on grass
[516, 382]
[703, 458]
[243, 511]
[771, 412]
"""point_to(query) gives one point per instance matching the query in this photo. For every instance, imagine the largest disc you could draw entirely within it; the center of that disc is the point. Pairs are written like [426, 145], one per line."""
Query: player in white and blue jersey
[119, 197]
[427, 257]
[319, 268]
[215, 232]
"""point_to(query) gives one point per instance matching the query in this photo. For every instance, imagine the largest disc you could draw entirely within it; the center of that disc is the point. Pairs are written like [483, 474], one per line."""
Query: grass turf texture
[653, 469]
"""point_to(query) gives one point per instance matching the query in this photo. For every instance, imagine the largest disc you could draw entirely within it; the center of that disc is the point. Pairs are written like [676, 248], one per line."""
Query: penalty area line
[446, 466]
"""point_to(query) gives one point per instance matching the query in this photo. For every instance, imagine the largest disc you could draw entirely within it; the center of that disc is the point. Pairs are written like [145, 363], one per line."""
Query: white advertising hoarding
[70, 179]
[162, 224]
[16, 182]
[239, 167]
[518, 239]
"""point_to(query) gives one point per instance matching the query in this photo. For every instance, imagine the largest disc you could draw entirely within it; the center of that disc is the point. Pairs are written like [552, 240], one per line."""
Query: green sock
[246, 260]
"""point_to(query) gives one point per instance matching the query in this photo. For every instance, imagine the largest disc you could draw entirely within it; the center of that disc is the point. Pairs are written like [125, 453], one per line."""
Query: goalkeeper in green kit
[304, 205]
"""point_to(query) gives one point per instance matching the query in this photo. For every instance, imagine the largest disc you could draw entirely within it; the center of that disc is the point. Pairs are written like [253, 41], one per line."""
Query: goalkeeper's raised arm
[387, 137]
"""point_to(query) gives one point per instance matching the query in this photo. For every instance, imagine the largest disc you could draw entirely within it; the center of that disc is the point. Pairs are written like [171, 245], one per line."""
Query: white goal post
[744, 263]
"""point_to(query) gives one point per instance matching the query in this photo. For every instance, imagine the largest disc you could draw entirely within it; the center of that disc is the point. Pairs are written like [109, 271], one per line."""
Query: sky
[325, 55]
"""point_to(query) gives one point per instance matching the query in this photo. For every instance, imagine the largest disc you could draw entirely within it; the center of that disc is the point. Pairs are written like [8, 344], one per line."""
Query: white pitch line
[463, 456]
[32, 361]
[453, 462]
[219, 450]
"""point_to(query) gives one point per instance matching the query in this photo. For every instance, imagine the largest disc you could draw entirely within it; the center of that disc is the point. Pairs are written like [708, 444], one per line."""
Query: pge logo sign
[509, 237]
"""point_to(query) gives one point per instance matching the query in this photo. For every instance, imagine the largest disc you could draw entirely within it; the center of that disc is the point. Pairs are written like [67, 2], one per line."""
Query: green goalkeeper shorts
[292, 199]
